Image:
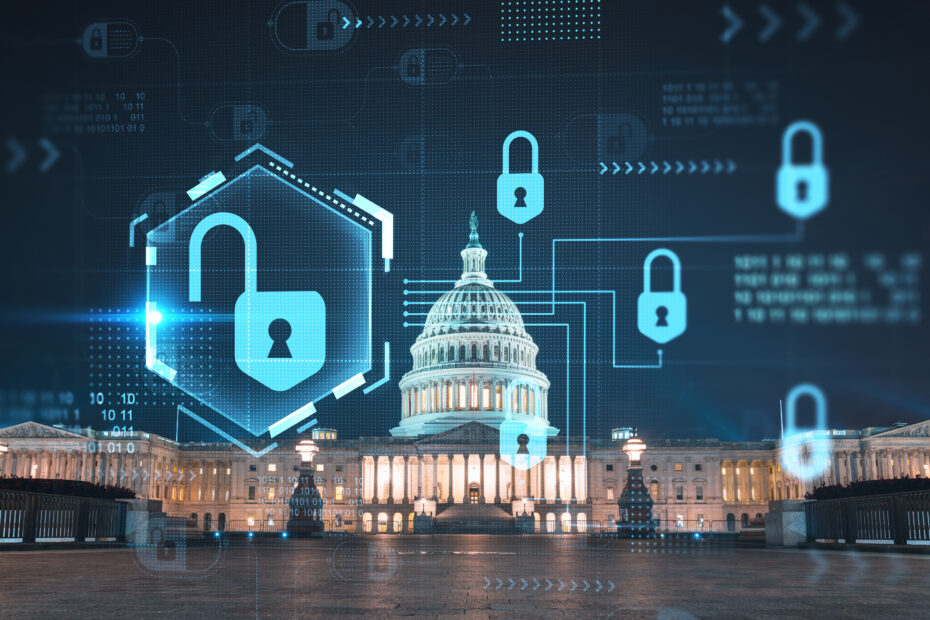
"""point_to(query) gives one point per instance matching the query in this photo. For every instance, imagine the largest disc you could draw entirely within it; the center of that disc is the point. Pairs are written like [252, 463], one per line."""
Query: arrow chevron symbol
[49, 161]
[574, 586]
[691, 167]
[616, 168]
[717, 166]
[442, 19]
[393, 21]
[599, 586]
[666, 167]
[406, 21]
[561, 585]
[431, 20]
[419, 21]
[811, 22]
[193, 475]
[487, 582]
[611, 585]
[735, 24]
[629, 168]
[603, 167]
[774, 23]
[512, 584]
[167, 475]
[678, 167]
[654, 167]
[536, 587]
[467, 19]
[548, 584]
[455, 19]
[157, 475]
[345, 23]
[850, 21]
[135, 474]
[146, 474]
[382, 20]
[358, 23]
[642, 167]
[731, 166]
[586, 586]
[19, 155]
[704, 166]
[524, 583]
[499, 583]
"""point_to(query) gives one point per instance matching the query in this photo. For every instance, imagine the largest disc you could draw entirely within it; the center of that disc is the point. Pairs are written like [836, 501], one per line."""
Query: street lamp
[634, 449]
[307, 449]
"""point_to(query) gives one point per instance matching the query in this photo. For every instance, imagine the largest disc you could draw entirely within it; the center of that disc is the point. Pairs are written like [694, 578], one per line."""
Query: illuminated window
[474, 395]
[338, 496]
[272, 467]
[523, 398]
[498, 402]
[320, 467]
[462, 395]
[174, 493]
[532, 402]
[654, 489]
[181, 494]
[725, 495]
[449, 396]
[485, 397]
[678, 467]
[214, 471]
[270, 494]
[610, 493]
[723, 471]
[251, 520]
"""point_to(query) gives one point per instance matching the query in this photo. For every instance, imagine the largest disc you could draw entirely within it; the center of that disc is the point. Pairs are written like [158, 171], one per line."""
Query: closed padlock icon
[280, 336]
[413, 66]
[805, 453]
[662, 315]
[96, 40]
[520, 194]
[522, 444]
[802, 190]
[326, 31]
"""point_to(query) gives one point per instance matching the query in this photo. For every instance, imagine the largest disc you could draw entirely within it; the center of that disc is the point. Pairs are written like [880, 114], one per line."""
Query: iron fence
[31, 517]
[899, 518]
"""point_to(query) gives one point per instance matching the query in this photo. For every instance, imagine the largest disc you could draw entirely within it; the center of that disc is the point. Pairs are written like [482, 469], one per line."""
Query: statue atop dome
[473, 236]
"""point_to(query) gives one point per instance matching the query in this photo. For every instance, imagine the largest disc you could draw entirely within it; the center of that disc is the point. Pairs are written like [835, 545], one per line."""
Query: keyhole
[520, 193]
[279, 331]
[523, 439]
[661, 313]
[802, 190]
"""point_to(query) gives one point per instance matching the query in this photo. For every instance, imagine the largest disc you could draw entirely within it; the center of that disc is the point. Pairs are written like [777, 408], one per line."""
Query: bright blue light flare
[155, 317]
[216, 534]
[283, 534]
[251, 534]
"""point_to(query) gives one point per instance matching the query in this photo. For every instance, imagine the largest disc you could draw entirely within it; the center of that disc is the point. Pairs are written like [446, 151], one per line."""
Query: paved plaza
[468, 575]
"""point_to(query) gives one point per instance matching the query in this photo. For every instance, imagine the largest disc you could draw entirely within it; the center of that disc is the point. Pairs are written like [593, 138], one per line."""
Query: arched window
[366, 522]
[382, 522]
[398, 522]
[221, 524]
[654, 490]
[536, 521]
[485, 397]
[410, 522]
[474, 351]
[498, 403]
[532, 402]
[449, 397]
[581, 522]
[566, 522]
[207, 522]
[442, 355]
[550, 523]
[462, 396]
[506, 353]
[486, 353]
[433, 355]
[474, 395]
[451, 352]
[461, 352]
[497, 352]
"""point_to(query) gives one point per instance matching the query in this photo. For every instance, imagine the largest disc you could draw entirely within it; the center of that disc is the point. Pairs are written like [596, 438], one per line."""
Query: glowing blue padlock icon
[522, 444]
[520, 194]
[802, 190]
[805, 453]
[662, 315]
[280, 336]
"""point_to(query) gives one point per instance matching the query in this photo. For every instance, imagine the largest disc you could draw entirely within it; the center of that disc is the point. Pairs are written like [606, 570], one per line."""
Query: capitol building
[474, 370]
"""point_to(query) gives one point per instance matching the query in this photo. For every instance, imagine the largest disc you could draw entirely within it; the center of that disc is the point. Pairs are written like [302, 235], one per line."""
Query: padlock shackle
[676, 269]
[534, 149]
[820, 403]
[787, 151]
[329, 15]
[200, 231]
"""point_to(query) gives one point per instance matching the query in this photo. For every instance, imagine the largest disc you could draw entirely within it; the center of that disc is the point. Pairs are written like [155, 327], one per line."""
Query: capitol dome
[474, 360]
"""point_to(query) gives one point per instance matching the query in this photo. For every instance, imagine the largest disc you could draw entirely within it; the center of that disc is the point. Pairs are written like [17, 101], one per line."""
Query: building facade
[474, 368]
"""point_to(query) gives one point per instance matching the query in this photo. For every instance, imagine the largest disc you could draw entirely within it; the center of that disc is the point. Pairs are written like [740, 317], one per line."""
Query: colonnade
[470, 394]
[464, 477]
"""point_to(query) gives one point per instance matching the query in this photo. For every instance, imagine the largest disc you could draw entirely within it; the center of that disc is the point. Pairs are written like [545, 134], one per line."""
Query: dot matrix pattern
[550, 20]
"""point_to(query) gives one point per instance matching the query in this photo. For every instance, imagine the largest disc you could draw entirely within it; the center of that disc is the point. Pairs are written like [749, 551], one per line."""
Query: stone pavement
[464, 575]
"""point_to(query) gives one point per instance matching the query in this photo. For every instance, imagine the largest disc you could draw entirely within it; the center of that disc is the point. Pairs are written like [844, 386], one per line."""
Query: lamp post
[635, 503]
[306, 504]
